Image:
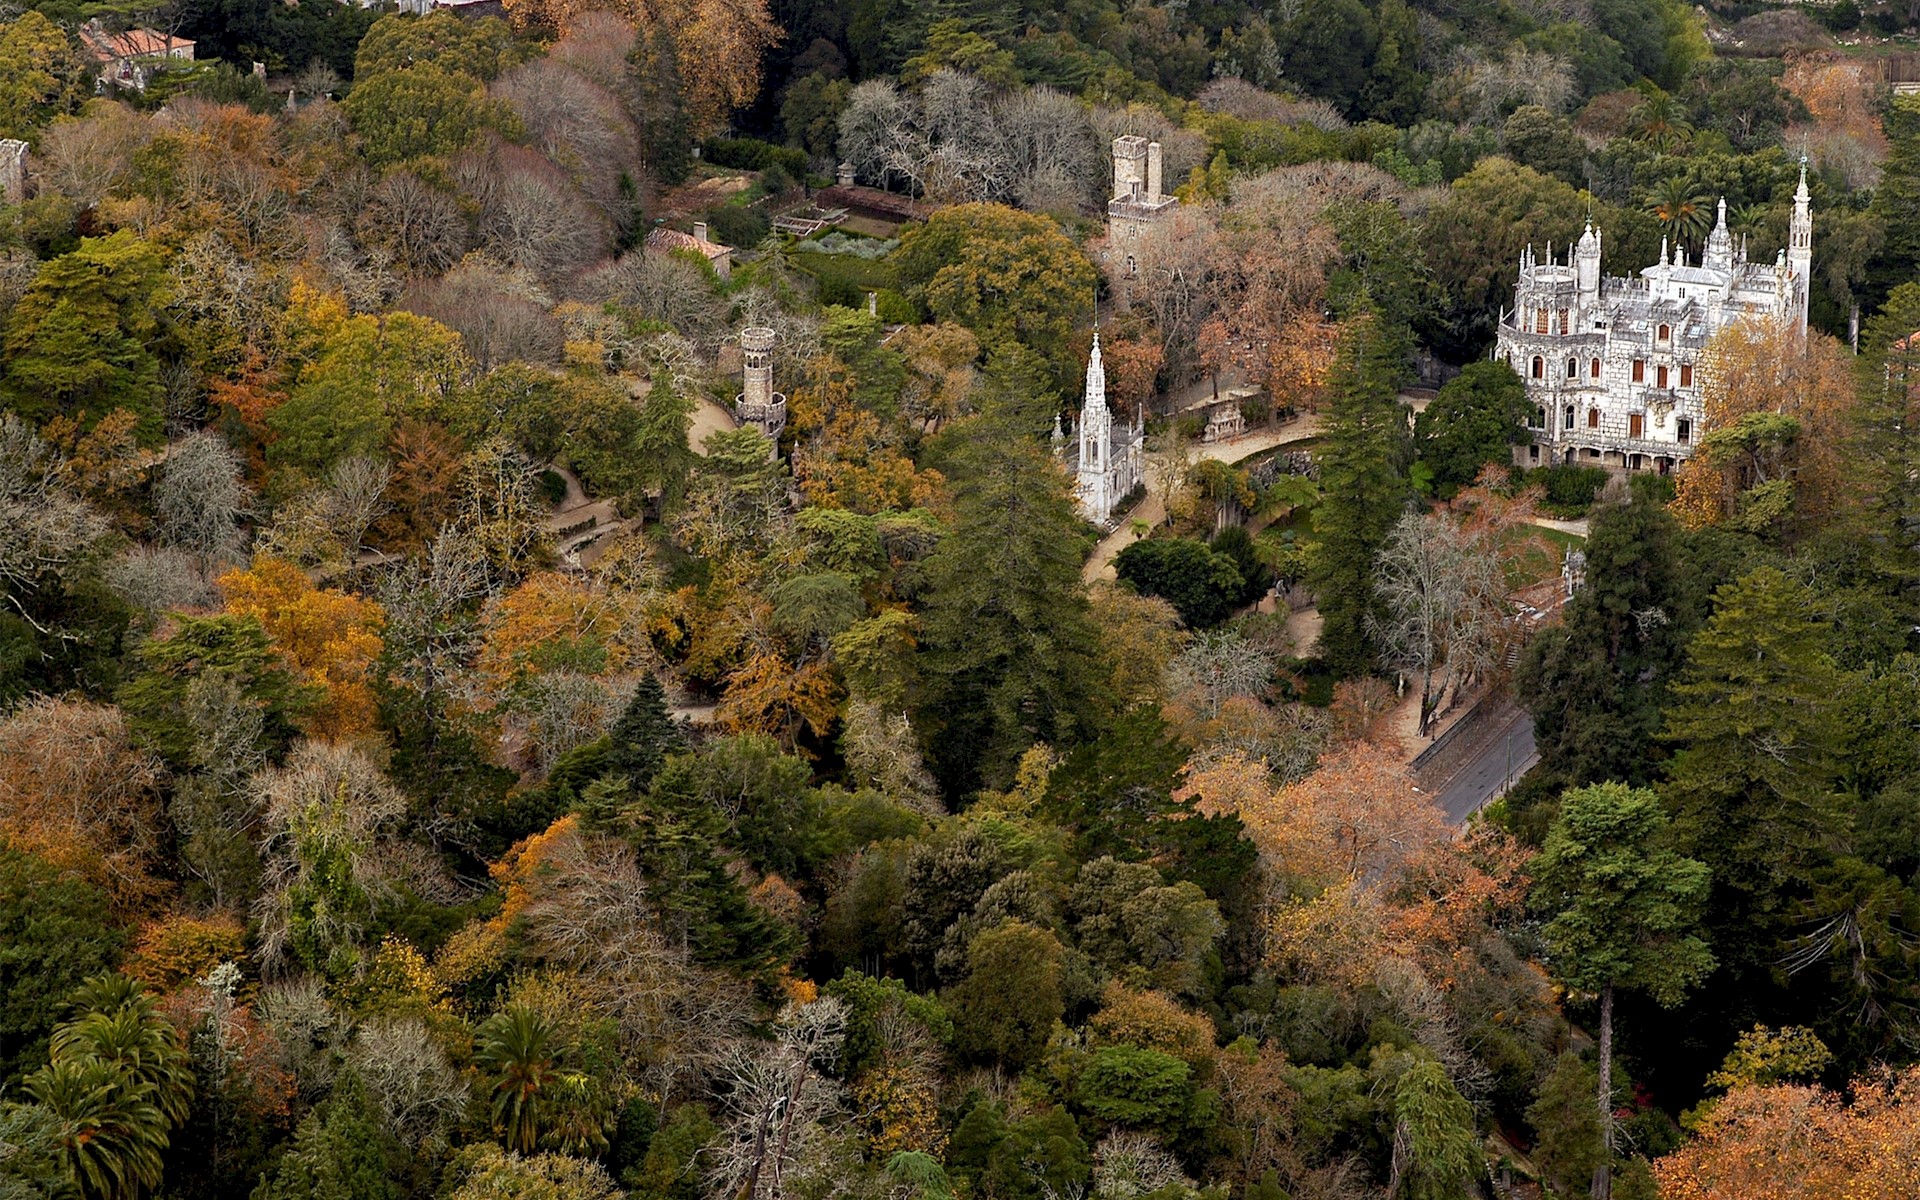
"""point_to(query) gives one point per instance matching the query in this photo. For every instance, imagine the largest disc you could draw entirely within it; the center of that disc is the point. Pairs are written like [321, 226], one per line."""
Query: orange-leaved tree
[330, 637]
[1799, 1142]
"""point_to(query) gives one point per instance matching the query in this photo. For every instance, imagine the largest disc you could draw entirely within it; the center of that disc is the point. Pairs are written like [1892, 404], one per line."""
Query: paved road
[1504, 761]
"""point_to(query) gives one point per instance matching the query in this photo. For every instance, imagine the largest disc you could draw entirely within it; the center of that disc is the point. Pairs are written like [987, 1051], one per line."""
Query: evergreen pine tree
[657, 98]
[340, 1154]
[1889, 417]
[645, 734]
[1596, 683]
[1896, 199]
[1756, 720]
[1009, 645]
[1363, 487]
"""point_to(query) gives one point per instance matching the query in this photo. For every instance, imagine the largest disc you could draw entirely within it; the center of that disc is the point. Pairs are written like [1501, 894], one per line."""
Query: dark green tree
[656, 100]
[1009, 651]
[176, 674]
[1477, 418]
[1889, 415]
[1755, 719]
[54, 933]
[1005, 1007]
[1544, 140]
[645, 734]
[1596, 682]
[1896, 198]
[1202, 584]
[1363, 487]
[1625, 909]
[339, 1152]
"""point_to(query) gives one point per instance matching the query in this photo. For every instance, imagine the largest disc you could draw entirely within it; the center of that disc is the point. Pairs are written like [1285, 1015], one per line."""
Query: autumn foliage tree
[719, 43]
[330, 638]
[1804, 1142]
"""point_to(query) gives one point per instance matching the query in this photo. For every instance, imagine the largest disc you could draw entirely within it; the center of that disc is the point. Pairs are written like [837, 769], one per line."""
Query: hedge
[751, 154]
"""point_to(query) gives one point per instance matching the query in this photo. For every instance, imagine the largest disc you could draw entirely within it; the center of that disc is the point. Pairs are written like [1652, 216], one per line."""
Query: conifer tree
[1009, 646]
[1596, 683]
[1889, 416]
[1363, 487]
[1625, 908]
[645, 734]
[1756, 720]
[657, 91]
[337, 1154]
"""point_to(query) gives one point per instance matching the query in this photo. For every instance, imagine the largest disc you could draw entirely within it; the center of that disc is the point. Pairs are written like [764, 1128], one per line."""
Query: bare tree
[579, 124]
[880, 135]
[418, 225]
[88, 158]
[1218, 665]
[565, 710]
[1055, 159]
[883, 752]
[531, 215]
[1444, 598]
[658, 287]
[1128, 1164]
[44, 525]
[202, 499]
[159, 579]
[409, 1078]
[358, 485]
[778, 1097]
[430, 602]
[966, 160]
[498, 312]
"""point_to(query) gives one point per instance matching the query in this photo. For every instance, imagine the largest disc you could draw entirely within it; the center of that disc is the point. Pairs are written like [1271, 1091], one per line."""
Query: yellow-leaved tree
[330, 637]
[1778, 414]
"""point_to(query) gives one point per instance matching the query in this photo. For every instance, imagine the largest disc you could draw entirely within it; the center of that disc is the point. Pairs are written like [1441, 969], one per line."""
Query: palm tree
[1683, 213]
[114, 1133]
[1661, 122]
[518, 1049]
[120, 1079]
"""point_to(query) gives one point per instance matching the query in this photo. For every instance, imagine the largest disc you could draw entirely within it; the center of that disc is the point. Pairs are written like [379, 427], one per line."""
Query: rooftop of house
[108, 46]
[697, 241]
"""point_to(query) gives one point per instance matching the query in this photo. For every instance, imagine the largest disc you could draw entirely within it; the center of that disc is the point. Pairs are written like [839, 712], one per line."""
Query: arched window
[1568, 423]
[1666, 332]
[1686, 374]
[1660, 377]
[1596, 368]
[1573, 368]
[1563, 320]
[1539, 367]
[1540, 321]
[1593, 418]
[1540, 418]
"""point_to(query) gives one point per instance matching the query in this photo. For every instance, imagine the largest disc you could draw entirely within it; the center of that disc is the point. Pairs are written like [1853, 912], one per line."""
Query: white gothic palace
[1612, 364]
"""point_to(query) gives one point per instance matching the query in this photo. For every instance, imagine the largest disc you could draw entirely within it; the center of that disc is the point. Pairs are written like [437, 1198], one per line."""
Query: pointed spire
[1663, 251]
[1801, 195]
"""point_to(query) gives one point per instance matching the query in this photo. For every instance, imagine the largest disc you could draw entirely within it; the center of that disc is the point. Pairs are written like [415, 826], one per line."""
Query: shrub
[1569, 488]
[751, 154]
[739, 227]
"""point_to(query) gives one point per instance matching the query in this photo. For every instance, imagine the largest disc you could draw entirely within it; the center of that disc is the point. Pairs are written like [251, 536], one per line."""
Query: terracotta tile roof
[673, 239]
[134, 43]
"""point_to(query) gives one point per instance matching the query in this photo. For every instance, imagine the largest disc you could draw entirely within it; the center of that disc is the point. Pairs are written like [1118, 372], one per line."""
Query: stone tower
[1800, 247]
[1139, 197]
[759, 405]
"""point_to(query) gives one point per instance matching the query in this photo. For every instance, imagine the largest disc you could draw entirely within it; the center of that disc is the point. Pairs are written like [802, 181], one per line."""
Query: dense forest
[443, 753]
